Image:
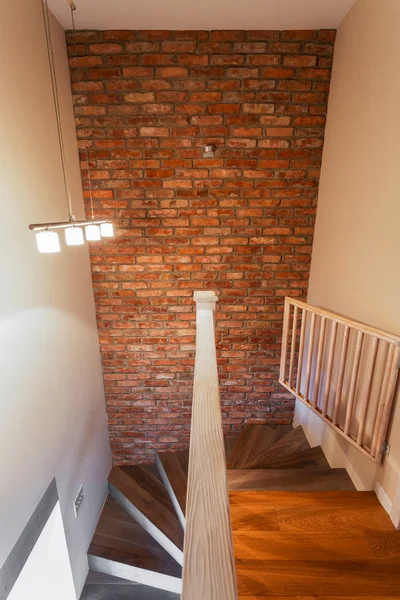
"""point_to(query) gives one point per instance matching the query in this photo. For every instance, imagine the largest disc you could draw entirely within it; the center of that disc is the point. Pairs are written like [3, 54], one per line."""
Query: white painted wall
[355, 261]
[47, 573]
[52, 413]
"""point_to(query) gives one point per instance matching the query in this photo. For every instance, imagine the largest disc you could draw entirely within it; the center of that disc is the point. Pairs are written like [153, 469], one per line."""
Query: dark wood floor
[318, 545]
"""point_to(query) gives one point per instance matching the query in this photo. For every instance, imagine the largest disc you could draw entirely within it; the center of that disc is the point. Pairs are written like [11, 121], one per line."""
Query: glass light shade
[92, 233]
[47, 242]
[74, 236]
[107, 230]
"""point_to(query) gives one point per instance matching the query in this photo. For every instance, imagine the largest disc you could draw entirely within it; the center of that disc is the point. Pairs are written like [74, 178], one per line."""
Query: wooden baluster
[353, 382]
[367, 390]
[331, 355]
[301, 350]
[392, 380]
[293, 346]
[285, 336]
[381, 400]
[319, 361]
[310, 356]
[342, 366]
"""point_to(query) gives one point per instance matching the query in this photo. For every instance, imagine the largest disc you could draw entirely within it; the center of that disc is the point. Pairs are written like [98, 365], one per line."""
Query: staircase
[299, 527]
[261, 514]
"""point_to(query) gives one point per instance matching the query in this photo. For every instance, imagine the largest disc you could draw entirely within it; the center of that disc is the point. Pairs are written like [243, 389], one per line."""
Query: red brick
[81, 62]
[258, 108]
[154, 131]
[227, 36]
[158, 59]
[140, 97]
[240, 222]
[171, 72]
[105, 48]
[299, 35]
[223, 108]
[279, 131]
[250, 47]
[262, 35]
[242, 72]
[247, 131]
[315, 74]
[277, 72]
[300, 61]
[264, 59]
[184, 46]
[227, 59]
[313, 98]
[102, 73]
[190, 60]
[137, 72]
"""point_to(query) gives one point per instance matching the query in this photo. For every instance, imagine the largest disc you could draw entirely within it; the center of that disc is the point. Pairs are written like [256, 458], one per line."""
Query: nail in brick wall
[240, 223]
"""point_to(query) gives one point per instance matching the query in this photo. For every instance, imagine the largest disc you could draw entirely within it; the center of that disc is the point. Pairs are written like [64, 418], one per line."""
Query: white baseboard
[383, 498]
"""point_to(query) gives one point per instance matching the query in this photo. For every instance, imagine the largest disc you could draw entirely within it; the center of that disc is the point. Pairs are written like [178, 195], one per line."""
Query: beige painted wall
[355, 263]
[52, 413]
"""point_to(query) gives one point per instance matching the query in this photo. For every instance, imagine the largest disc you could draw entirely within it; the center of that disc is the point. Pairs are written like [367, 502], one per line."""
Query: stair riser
[150, 578]
[147, 524]
[171, 492]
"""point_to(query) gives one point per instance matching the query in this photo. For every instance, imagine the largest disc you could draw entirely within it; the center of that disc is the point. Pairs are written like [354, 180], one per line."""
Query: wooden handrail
[208, 565]
[354, 363]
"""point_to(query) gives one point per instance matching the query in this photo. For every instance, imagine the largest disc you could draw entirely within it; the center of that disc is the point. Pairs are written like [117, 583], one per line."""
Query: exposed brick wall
[240, 223]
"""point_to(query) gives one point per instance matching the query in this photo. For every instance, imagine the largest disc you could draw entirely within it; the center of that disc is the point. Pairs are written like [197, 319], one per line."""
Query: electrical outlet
[78, 501]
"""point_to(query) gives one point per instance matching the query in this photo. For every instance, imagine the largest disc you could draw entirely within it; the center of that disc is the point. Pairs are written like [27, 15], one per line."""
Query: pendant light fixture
[47, 239]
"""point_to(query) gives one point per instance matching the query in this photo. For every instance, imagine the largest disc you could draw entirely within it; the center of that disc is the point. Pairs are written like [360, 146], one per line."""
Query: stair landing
[314, 545]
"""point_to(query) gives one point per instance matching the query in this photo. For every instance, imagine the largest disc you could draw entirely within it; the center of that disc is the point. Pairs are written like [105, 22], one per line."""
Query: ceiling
[202, 14]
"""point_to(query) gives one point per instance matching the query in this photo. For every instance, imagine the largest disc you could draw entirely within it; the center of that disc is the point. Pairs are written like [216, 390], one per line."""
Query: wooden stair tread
[306, 479]
[301, 577]
[119, 538]
[253, 547]
[174, 467]
[385, 597]
[253, 441]
[300, 459]
[150, 497]
[297, 499]
[292, 442]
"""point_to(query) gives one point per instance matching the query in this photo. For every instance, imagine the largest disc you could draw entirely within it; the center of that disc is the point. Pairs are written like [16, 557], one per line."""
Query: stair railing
[208, 565]
[343, 370]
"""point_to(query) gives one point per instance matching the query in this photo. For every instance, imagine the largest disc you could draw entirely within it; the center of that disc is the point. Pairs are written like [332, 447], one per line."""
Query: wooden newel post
[208, 562]
[205, 300]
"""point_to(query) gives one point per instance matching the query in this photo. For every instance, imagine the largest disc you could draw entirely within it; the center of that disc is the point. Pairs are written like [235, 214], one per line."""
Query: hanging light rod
[71, 4]
[65, 224]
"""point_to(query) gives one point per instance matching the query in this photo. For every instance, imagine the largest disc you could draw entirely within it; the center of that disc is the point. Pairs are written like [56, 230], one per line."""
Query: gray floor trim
[18, 556]
[171, 493]
[143, 576]
[147, 525]
[125, 592]
[98, 578]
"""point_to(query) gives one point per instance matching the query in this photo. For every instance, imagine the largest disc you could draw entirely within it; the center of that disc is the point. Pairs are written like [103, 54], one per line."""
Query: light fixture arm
[65, 224]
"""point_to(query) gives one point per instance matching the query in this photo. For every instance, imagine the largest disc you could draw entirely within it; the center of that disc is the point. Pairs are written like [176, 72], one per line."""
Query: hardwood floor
[297, 546]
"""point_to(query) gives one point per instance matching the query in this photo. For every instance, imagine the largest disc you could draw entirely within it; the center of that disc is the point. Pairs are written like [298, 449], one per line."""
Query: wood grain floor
[119, 538]
[301, 545]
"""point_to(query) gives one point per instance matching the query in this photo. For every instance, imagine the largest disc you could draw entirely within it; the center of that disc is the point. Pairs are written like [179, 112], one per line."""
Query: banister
[208, 566]
[345, 372]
